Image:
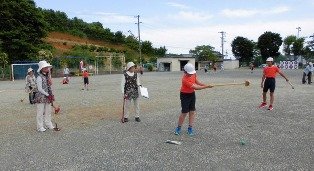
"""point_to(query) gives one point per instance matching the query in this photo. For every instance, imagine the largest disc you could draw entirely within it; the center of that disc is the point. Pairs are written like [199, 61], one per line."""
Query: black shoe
[126, 120]
[137, 119]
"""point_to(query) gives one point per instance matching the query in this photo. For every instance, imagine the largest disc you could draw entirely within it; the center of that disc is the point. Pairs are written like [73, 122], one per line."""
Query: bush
[150, 67]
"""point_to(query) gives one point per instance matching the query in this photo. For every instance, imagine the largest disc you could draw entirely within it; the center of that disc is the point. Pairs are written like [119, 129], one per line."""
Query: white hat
[43, 64]
[129, 65]
[310, 63]
[269, 59]
[189, 68]
[29, 70]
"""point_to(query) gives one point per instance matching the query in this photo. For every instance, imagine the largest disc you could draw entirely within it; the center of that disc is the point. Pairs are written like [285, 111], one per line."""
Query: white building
[174, 62]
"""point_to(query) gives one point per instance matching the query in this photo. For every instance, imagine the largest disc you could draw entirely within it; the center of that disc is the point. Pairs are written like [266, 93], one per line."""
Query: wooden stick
[246, 83]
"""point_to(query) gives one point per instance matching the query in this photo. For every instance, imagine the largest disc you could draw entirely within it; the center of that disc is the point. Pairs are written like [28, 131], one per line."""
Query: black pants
[309, 78]
[31, 97]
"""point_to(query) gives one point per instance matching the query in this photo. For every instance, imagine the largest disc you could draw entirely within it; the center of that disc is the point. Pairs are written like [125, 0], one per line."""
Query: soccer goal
[19, 71]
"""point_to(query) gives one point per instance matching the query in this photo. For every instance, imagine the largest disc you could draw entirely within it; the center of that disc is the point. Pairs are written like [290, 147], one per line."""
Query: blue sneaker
[177, 131]
[190, 131]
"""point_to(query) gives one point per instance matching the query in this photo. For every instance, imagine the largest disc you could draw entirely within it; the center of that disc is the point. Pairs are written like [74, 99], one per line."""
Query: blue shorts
[187, 102]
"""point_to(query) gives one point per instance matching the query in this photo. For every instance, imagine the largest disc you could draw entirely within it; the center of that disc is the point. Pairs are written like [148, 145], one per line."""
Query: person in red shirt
[190, 83]
[269, 82]
[85, 77]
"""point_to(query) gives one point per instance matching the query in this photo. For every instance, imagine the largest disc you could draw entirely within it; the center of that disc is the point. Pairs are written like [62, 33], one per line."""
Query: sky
[181, 25]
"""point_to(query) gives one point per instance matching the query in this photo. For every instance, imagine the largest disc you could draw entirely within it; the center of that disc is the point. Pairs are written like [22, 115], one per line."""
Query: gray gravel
[92, 138]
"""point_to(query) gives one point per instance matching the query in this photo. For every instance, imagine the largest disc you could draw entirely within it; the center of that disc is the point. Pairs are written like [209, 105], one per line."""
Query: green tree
[204, 53]
[298, 47]
[243, 49]
[161, 51]
[288, 42]
[147, 47]
[22, 28]
[4, 61]
[309, 49]
[269, 44]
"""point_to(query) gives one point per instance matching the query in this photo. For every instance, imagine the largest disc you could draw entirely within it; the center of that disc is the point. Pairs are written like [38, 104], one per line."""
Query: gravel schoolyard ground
[92, 137]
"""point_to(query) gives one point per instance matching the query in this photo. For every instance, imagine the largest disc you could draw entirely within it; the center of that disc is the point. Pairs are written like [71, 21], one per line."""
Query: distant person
[129, 86]
[222, 67]
[44, 97]
[215, 67]
[31, 87]
[81, 66]
[269, 82]
[190, 83]
[66, 73]
[252, 67]
[85, 78]
[308, 70]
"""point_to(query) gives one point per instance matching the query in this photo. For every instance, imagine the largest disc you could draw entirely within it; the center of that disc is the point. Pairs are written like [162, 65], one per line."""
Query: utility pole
[222, 42]
[299, 29]
[139, 37]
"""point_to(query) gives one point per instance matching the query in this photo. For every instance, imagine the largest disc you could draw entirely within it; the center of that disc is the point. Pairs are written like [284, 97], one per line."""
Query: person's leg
[264, 97]
[126, 108]
[309, 78]
[137, 109]
[191, 118]
[30, 97]
[271, 98]
[47, 116]
[303, 78]
[40, 117]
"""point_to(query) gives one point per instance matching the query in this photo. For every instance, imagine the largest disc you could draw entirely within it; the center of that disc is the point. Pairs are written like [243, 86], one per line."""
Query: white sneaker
[41, 130]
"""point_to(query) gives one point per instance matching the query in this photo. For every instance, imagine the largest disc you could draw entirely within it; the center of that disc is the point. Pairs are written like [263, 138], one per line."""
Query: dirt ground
[92, 138]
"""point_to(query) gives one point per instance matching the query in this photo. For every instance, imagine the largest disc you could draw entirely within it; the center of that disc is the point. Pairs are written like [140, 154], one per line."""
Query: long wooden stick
[246, 83]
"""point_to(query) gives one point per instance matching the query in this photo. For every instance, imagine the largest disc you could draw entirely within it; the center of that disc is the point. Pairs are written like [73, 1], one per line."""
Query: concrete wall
[231, 64]
[174, 63]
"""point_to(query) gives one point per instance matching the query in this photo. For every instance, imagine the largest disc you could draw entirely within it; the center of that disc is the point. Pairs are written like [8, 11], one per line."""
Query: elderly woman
[44, 97]
[30, 82]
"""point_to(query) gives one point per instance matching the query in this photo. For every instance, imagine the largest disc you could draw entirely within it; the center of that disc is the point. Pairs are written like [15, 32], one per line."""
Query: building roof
[179, 56]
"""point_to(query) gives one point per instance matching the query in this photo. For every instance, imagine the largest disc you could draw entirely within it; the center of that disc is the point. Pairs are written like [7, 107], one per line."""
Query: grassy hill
[63, 42]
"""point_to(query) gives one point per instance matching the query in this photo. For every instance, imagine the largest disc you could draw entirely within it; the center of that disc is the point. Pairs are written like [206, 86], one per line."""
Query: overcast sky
[181, 25]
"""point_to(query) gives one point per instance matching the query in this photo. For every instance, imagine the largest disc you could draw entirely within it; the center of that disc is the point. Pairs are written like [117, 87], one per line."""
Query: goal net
[19, 71]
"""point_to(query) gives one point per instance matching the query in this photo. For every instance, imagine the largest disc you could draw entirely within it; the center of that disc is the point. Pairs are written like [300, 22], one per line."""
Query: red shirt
[85, 74]
[271, 72]
[187, 83]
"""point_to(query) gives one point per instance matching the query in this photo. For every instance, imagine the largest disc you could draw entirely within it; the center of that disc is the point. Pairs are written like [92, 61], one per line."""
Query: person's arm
[199, 83]
[138, 80]
[39, 86]
[283, 75]
[200, 87]
[27, 81]
[122, 84]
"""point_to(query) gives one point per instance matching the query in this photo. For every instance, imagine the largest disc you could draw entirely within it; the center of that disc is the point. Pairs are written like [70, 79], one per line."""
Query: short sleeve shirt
[271, 72]
[187, 83]
[85, 74]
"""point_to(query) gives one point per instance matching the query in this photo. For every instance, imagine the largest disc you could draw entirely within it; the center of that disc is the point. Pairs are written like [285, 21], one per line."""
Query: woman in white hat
[129, 86]
[30, 82]
[44, 97]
